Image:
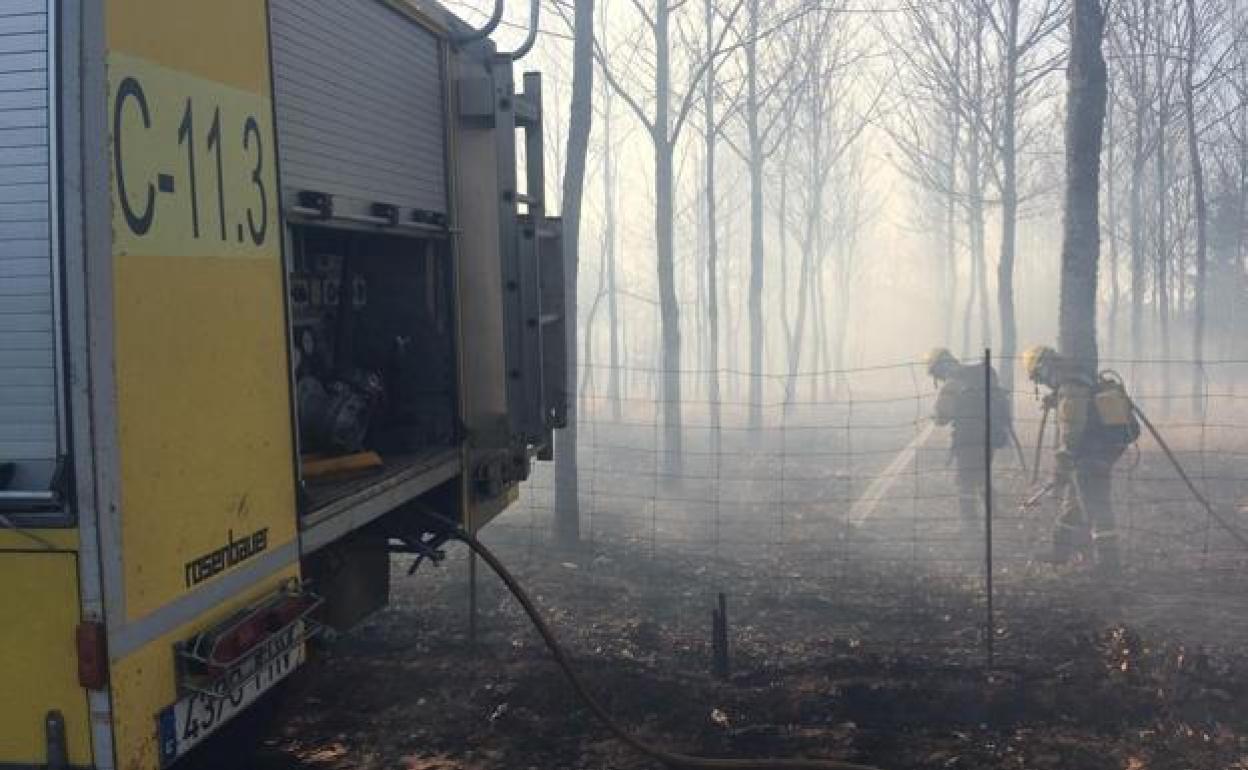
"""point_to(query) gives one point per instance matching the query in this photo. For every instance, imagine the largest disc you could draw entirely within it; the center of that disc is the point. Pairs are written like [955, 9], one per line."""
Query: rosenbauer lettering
[230, 555]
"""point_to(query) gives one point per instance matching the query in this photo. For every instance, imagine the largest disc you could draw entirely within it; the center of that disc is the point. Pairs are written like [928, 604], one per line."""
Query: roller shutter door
[28, 390]
[359, 101]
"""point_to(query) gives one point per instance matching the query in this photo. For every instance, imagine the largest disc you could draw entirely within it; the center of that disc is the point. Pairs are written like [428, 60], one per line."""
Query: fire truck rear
[273, 288]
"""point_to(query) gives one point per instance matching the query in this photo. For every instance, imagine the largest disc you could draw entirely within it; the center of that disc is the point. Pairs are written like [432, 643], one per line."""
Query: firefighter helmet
[939, 361]
[1035, 359]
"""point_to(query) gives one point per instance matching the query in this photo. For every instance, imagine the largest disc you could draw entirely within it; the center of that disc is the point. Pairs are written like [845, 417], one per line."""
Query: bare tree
[663, 122]
[765, 109]
[1019, 75]
[978, 160]
[1164, 81]
[1085, 115]
[852, 213]
[567, 506]
[941, 78]
[607, 288]
[828, 124]
[1110, 223]
[1198, 201]
[712, 128]
[609, 239]
[1129, 40]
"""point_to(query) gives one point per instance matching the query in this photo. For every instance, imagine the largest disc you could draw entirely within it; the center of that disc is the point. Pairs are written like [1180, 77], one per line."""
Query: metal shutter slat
[359, 103]
[28, 420]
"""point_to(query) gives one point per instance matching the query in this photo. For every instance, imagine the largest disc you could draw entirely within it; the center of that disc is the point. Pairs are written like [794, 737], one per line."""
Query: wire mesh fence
[837, 493]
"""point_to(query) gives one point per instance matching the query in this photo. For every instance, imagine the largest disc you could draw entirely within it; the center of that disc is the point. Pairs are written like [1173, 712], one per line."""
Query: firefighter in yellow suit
[960, 404]
[1091, 437]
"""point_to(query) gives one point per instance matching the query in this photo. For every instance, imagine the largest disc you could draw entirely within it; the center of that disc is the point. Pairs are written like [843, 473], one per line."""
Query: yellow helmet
[1035, 358]
[939, 358]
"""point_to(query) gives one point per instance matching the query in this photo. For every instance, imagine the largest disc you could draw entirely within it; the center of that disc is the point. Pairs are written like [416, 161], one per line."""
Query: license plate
[198, 715]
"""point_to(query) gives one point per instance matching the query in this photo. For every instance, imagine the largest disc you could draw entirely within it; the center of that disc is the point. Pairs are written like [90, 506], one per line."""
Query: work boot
[1107, 561]
[1063, 545]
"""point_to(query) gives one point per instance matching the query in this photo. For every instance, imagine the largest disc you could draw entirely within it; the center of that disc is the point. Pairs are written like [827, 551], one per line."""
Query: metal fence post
[990, 630]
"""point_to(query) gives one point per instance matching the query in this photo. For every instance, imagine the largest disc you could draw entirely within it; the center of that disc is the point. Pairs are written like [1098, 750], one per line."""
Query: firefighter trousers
[1086, 521]
[968, 463]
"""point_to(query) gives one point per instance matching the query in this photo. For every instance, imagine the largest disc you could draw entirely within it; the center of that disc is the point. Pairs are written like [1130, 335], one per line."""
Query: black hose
[1226, 525]
[1035, 465]
[669, 758]
[1018, 448]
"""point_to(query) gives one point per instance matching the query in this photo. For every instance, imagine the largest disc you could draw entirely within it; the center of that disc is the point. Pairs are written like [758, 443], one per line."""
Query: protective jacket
[1085, 433]
[1095, 425]
[961, 404]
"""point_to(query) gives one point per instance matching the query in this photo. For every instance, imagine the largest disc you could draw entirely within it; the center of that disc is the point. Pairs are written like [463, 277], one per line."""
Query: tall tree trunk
[824, 364]
[968, 313]
[1085, 117]
[978, 227]
[1198, 201]
[1111, 210]
[1236, 273]
[1139, 283]
[732, 350]
[979, 253]
[1009, 198]
[845, 246]
[669, 309]
[588, 380]
[977, 287]
[609, 239]
[697, 354]
[783, 242]
[820, 360]
[580, 121]
[1163, 245]
[712, 230]
[951, 225]
[606, 282]
[665, 241]
[755, 150]
[812, 241]
[951, 194]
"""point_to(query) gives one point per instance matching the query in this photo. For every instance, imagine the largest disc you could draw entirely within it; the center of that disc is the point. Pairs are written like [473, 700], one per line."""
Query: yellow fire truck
[276, 282]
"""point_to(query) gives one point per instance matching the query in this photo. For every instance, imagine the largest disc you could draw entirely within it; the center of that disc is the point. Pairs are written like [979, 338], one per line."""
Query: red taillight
[260, 625]
[92, 642]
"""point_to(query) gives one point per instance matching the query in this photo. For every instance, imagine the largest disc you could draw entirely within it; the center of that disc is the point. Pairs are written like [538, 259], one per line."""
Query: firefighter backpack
[1113, 414]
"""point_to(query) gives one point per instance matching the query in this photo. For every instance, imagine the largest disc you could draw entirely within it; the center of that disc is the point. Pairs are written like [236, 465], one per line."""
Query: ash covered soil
[854, 661]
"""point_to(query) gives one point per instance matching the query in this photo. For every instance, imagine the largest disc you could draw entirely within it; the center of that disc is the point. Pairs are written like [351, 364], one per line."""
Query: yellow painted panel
[40, 660]
[143, 682]
[60, 539]
[224, 40]
[193, 163]
[203, 417]
[203, 401]
[202, 390]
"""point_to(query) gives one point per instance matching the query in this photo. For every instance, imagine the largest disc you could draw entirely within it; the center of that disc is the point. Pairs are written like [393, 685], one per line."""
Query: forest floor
[865, 663]
[855, 635]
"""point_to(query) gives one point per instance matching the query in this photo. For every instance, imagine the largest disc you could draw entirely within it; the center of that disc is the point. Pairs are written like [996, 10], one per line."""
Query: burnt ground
[838, 669]
[854, 635]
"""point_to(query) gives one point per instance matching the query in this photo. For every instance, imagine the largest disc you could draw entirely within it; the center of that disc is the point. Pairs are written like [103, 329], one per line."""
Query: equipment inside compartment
[371, 343]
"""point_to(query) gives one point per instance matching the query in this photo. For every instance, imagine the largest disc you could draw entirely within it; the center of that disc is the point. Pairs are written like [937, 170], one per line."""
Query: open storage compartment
[360, 103]
[373, 358]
